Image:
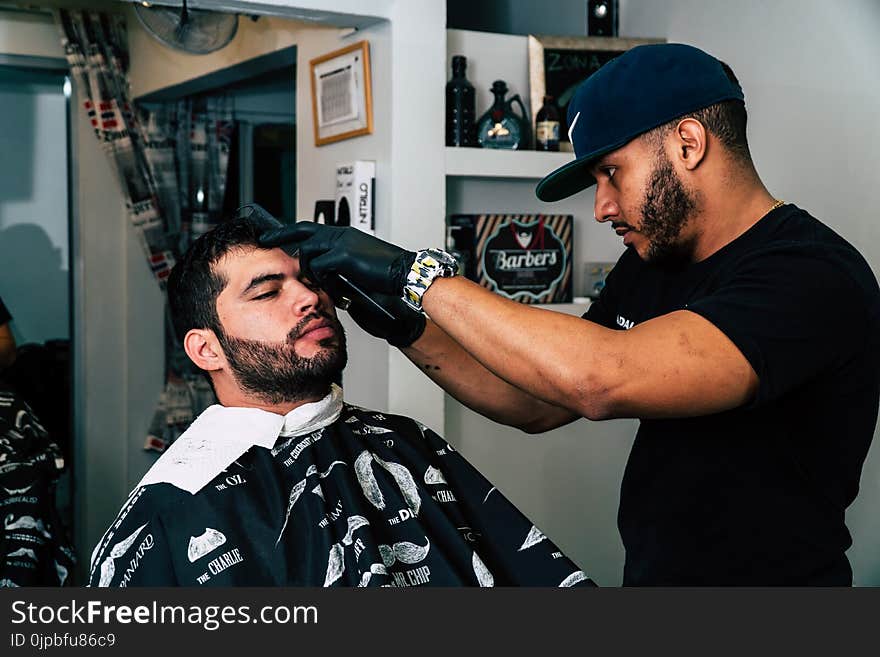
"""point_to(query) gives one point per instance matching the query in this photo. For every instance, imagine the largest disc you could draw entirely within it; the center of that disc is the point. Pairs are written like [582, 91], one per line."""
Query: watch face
[443, 258]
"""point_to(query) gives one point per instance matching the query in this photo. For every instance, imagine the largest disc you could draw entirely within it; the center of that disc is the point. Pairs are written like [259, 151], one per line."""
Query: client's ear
[203, 349]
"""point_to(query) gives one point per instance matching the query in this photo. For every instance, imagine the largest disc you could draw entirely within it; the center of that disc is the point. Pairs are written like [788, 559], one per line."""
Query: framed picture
[342, 101]
[557, 65]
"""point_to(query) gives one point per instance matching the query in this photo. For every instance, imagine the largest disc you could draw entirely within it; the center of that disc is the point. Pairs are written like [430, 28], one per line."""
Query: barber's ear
[690, 138]
[203, 349]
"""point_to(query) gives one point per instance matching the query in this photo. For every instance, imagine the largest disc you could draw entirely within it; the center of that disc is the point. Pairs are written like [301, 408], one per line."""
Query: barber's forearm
[555, 357]
[459, 374]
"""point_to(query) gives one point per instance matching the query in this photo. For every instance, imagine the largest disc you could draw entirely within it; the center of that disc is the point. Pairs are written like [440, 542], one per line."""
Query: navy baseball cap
[635, 92]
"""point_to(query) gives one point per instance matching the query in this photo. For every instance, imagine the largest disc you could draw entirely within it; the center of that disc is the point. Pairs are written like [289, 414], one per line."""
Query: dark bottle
[547, 126]
[500, 127]
[460, 106]
[460, 241]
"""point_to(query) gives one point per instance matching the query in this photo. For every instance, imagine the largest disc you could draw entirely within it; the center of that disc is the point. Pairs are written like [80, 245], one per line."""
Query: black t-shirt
[4, 314]
[756, 495]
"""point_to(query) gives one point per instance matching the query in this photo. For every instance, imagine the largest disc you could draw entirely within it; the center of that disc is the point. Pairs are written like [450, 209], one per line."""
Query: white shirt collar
[221, 434]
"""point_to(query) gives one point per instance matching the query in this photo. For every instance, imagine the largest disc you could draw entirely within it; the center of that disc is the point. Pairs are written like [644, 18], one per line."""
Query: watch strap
[429, 265]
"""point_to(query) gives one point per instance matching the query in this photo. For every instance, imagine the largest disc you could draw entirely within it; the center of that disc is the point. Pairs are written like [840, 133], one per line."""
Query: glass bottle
[460, 106]
[455, 245]
[547, 126]
[500, 127]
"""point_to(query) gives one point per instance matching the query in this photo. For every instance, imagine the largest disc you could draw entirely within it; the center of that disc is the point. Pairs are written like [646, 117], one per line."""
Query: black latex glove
[384, 316]
[406, 327]
[367, 261]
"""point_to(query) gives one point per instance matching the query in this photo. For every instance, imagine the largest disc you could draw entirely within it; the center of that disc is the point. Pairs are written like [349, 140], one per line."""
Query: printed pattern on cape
[34, 546]
[369, 500]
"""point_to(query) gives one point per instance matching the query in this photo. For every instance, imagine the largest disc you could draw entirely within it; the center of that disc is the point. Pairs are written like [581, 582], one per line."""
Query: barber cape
[328, 495]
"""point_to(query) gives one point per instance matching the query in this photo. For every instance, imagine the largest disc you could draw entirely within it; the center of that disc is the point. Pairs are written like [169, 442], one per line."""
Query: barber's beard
[273, 371]
[666, 210]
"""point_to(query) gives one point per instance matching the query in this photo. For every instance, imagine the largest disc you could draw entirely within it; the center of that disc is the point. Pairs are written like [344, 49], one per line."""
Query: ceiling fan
[196, 31]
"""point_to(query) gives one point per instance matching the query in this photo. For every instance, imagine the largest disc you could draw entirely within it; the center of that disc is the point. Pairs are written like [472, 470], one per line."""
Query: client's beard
[273, 371]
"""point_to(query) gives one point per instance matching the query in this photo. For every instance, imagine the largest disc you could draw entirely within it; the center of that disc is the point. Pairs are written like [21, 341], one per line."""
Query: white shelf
[492, 163]
[576, 309]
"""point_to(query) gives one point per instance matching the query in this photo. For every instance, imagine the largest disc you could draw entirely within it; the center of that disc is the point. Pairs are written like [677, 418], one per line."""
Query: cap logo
[571, 128]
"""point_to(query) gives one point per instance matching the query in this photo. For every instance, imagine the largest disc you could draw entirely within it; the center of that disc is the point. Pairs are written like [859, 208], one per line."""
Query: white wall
[29, 34]
[366, 378]
[119, 332]
[811, 75]
[101, 392]
[418, 210]
[407, 82]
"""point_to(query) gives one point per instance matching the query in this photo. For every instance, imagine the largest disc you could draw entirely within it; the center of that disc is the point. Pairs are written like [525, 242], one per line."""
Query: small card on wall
[355, 195]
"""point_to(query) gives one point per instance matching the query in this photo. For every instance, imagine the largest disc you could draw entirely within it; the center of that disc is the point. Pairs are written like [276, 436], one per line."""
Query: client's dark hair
[195, 283]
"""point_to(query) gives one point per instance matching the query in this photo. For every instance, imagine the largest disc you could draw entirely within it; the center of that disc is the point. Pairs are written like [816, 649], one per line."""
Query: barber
[740, 330]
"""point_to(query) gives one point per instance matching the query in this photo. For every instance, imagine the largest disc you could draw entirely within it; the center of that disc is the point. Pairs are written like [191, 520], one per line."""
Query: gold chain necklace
[777, 204]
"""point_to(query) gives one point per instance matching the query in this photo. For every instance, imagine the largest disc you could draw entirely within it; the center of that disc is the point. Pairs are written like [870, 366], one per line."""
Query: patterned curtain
[96, 49]
[187, 150]
[171, 163]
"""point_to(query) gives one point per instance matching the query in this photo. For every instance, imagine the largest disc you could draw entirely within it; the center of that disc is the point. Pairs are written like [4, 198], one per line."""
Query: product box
[355, 196]
[525, 257]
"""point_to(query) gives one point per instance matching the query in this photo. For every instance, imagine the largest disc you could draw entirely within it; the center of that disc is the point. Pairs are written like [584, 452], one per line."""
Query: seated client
[283, 483]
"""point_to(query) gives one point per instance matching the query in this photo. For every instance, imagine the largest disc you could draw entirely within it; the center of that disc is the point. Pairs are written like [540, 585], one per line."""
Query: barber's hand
[406, 328]
[393, 320]
[365, 260]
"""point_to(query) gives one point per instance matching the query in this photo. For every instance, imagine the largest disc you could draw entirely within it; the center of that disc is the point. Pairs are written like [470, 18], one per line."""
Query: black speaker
[343, 213]
[325, 212]
[602, 18]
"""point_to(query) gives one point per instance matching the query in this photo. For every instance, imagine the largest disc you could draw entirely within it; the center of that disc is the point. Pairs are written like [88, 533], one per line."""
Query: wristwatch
[428, 266]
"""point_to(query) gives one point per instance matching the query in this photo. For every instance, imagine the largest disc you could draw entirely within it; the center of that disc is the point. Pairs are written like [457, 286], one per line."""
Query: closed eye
[265, 295]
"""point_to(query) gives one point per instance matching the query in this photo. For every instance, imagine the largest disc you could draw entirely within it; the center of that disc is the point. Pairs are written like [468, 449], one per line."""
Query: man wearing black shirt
[741, 331]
